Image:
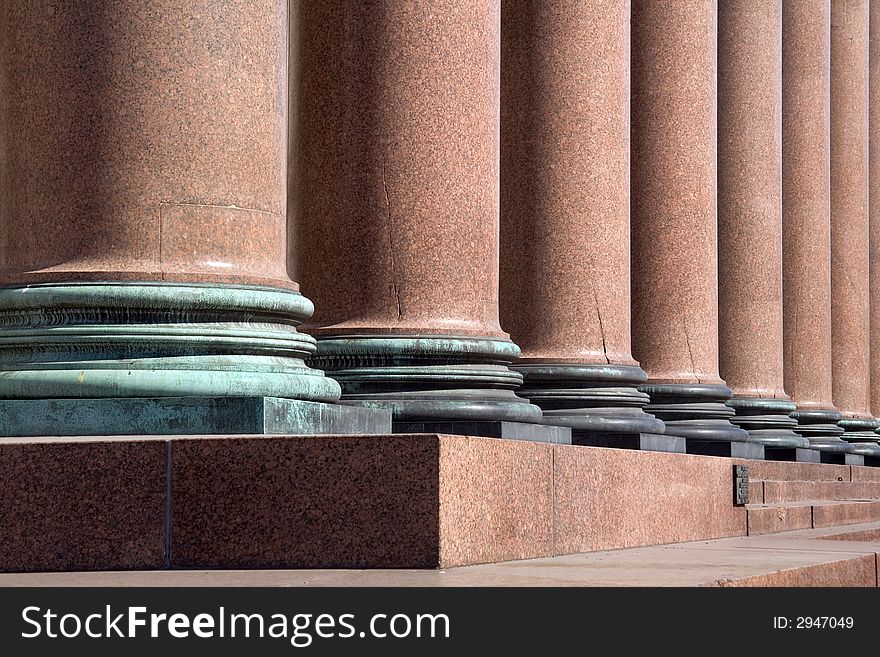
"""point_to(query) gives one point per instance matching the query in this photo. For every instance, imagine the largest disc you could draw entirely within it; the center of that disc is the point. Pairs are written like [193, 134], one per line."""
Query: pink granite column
[850, 331]
[806, 220]
[675, 284]
[874, 204]
[142, 200]
[750, 221]
[395, 197]
[565, 267]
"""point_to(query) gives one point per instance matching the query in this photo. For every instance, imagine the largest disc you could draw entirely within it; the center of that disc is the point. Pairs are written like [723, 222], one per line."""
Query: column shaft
[142, 203]
[806, 219]
[395, 201]
[850, 233]
[675, 285]
[874, 204]
[750, 219]
[565, 270]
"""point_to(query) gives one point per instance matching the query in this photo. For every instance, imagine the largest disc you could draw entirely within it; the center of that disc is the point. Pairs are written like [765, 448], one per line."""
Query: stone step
[848, 571]
[790, 471]
[790, 559]
[864, 473]
[772, 492]
[871, 534]
[770, 519]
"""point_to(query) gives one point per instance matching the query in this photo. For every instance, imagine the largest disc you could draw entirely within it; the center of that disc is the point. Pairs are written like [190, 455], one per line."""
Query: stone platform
[389, 501]
[801, 558]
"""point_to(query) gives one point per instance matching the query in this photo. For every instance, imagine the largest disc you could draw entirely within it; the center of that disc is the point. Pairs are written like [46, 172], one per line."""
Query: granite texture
[609, 498]
[132, 134]
[774, 519]
[82, 505]
[565, 172]
[789, 471]
[874, 200]
[799, 558]
[310, 502]
[395, 501]
[750, 219]
[496, 500]
[142, 186]
[674, 268]
[756, 492]
[865, 474]
[750, 197]
[806, 202]
[794, 491]
[850, 334]
[848, 572]
[674, 216]
[402, 501]
[394, 195]
[394, 204]
[872, 535]
[845, 513]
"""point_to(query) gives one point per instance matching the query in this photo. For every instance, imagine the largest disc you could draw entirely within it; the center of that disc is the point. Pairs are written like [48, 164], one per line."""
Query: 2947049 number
[813, 622]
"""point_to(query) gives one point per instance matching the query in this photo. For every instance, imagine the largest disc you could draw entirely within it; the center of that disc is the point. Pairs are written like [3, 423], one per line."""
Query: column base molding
[820, 427]
[696, 412]
[768, 421]
[428, 378]
[600, 398]
[174, 416]
[860, 432]
[96, 340]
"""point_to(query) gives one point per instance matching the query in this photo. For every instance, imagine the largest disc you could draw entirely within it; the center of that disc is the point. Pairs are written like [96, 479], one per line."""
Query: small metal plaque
[740, 485]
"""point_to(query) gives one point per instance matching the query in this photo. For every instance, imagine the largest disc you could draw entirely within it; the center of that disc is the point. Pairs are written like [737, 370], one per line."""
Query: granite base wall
[392, 501]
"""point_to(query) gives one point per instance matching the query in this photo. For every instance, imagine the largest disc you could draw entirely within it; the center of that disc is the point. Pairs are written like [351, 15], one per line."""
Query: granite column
[395, 200]
[750, 223]
[142, 220]
[674, 258]
[850, 234]
[806, 222]
[874, 204]
[565, 270]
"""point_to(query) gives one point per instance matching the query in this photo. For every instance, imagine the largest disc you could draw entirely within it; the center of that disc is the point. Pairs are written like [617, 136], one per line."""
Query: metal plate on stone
[740, 485]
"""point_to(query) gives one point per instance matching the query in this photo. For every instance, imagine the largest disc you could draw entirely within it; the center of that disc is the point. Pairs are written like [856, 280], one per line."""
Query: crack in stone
[687, 340]
[394, 285]
[601, 323]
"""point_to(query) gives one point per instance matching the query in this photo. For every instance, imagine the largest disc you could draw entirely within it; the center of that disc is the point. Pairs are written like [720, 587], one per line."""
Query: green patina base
[109, 341]
[166, 416]
[104, 340]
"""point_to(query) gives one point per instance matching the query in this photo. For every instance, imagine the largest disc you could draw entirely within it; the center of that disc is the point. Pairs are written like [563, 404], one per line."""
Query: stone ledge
[790, 516]
[389, 501]
[775, 519]
[797, 491]
[791, 559]
[385, 501]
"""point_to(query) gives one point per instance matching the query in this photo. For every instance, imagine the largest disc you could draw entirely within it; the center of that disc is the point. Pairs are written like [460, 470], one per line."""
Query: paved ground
[801, 557]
